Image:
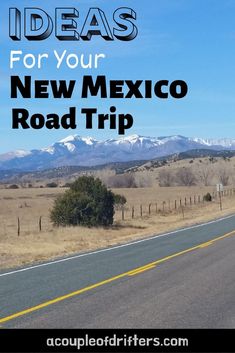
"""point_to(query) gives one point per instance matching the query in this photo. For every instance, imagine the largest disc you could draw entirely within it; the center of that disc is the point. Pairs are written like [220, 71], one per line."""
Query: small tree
[13, 186]
[119, 201]
[166, 178]
[186, 177]
[205, 174]
[87, 202]
[122, 181]
[207, 197]
[223, 176]
[52, 185]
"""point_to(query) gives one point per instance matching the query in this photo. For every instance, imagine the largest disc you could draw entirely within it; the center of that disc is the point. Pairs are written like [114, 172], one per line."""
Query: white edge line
[113, 247]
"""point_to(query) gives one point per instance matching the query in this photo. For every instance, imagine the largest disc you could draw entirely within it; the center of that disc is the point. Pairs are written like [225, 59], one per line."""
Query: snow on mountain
[87, 151]
[21, 153]
[14, 154]
[50, 149]
[225, 142]
[76, 138]
[70, 138]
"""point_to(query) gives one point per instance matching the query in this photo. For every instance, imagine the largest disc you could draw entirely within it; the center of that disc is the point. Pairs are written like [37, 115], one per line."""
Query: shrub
[166, 178]
[223, 174]
[122, 181]
[87, 203]
[207, 197]
[119, 201]
[13, 186]
[185, 177]
[52, 185]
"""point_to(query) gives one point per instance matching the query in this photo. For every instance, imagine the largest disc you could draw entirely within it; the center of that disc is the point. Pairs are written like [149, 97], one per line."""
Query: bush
[122, 181]
[166, 178]
[185, 177]
[13, 186]
[119, 201]
[207, 197]
[52, 185]
[87, 203]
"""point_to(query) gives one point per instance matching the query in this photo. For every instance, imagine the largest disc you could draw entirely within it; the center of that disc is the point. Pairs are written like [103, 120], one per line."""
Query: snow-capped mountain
[87, 151]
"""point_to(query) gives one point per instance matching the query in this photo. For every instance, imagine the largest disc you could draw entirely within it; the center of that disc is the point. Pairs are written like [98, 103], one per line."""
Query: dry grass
[32, 245]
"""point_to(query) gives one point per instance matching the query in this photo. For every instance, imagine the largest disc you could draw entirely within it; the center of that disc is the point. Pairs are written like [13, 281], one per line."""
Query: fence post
[190, 200]
[150, 209]
[185, 201]
[40, 223]
[123, 215]
[133, 212]
[156, 207]
[180, 202]
[163, 206]
[141, 211]
[194, 199]
[175, 204]
[18, 226]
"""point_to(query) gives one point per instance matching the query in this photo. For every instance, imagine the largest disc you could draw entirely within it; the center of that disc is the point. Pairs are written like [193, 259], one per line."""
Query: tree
[122, 181]
[119, 201]
[52, 185]
[87, 202]
[186, 177]
[13, 186]
[207, 197]
[166, 178]
[205, 174]
[223, 175]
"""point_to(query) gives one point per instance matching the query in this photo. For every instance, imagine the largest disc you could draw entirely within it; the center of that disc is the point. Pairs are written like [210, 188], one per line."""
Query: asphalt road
[188, 281]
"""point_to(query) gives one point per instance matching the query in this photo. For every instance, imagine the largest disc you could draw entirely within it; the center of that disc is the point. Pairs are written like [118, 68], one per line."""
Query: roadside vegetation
[106, 208]
[87, 202]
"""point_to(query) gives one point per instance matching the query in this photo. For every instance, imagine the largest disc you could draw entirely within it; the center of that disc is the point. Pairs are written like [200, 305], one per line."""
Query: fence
[169, 206]
[23, 226]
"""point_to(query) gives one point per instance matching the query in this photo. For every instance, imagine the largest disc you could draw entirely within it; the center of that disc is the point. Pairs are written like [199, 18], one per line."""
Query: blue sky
[192, 40]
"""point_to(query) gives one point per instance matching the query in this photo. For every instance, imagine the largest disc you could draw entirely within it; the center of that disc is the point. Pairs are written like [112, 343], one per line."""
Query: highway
[181, 279]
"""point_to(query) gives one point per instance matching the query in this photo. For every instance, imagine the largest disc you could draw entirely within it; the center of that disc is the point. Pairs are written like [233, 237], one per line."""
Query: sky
[190, 40]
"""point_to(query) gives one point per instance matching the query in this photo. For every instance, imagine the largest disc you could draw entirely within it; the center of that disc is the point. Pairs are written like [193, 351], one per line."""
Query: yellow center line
[109, 280]
[207, 244]
[140, 270]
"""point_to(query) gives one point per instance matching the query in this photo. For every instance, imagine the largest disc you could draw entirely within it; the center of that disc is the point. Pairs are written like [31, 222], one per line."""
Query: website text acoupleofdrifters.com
[115, 341]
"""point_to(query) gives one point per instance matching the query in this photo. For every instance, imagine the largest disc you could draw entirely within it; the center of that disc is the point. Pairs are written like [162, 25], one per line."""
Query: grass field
[32, 245]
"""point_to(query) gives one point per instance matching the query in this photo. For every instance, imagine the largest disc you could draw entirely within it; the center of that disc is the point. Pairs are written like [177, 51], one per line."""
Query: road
[182, 279]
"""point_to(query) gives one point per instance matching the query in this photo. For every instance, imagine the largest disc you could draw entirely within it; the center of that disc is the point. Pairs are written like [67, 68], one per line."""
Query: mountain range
[86, 151]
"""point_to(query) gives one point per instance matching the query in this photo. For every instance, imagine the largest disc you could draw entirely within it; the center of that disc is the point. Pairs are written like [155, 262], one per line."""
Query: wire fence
[168, 206]
[26, 225]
